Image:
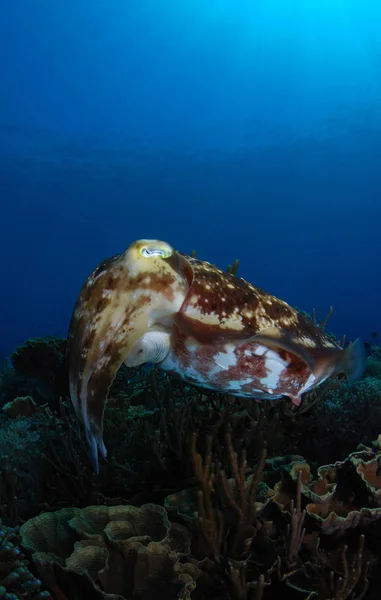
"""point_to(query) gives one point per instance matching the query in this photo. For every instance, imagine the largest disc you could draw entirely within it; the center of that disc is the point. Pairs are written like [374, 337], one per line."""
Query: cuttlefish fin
[152, 347]
[355, 360]
[322, 361]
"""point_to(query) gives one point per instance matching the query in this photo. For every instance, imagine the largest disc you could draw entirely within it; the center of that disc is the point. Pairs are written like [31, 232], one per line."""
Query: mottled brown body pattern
[223, 305]
[203, 324]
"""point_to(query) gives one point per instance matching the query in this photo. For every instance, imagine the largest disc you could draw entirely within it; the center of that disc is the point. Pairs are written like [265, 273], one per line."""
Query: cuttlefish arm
[126, 306]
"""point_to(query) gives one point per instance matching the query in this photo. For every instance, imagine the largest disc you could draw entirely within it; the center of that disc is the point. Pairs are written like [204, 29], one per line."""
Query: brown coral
[122, 550]
[344, 495]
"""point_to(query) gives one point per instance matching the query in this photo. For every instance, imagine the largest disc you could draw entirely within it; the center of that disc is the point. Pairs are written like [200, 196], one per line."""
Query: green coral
[36, 368]
[16, 581]
[23, 467]
[373, 364]
[350, 414]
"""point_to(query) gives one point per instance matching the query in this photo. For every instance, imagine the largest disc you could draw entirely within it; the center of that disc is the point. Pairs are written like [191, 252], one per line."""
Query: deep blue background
[240, 128]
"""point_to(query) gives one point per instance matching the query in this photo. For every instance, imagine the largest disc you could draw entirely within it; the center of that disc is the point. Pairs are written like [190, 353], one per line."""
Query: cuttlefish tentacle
[209, 327]
[124, 298]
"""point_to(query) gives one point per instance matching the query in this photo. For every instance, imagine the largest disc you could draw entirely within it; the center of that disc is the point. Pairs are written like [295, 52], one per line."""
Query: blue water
[238, 128]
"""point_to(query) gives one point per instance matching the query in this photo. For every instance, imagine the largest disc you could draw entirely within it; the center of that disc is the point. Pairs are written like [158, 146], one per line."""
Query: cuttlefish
[153, 304]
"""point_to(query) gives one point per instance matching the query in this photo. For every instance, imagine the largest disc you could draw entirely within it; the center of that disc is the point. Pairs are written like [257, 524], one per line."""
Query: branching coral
[226, 521]
[250, 547]
[238, 496]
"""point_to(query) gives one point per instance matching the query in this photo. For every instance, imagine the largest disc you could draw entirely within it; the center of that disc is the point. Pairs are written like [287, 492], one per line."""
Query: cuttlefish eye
[162, 250]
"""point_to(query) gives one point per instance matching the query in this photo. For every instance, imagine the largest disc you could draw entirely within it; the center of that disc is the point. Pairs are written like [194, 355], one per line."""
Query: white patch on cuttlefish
[274, 366]
[224, 360]
[163, 316]
[307, 342]
[188, 372]
[192, 345]
[236, 385]
[260, 350]
[213, 318]
[308, 385]
[102, 362]
[227, 359]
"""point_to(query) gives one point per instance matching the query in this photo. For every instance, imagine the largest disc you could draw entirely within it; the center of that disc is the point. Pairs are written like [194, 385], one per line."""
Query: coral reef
[344, 495]
[23, 469]
[36, 369]
[256, 542]
[346, 416]
[121, 551]
[265, 501]
[16, 581]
